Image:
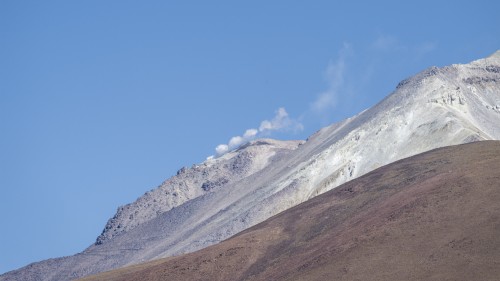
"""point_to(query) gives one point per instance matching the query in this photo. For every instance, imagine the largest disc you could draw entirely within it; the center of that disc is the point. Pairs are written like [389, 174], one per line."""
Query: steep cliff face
[212, 201]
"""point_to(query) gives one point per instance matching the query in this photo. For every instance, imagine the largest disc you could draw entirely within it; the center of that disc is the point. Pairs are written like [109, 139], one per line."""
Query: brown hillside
[434, 216]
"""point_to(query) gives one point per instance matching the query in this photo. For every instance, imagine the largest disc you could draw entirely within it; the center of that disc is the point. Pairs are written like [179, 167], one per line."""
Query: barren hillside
[434, 216]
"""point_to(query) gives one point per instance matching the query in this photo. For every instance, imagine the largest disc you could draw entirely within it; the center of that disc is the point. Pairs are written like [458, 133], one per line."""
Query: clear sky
[101, 101]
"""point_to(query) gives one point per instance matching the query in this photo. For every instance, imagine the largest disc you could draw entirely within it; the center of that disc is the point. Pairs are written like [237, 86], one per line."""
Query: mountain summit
[212, 201]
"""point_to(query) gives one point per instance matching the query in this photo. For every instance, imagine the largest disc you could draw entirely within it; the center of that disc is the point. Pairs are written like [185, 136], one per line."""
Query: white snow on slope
[437, 107]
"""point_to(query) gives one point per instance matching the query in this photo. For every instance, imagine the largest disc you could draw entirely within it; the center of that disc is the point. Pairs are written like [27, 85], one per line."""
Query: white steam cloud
[280, 122]
[250, 133]
[325, 101]
[236, 141]
[221, 149]
[334, 76]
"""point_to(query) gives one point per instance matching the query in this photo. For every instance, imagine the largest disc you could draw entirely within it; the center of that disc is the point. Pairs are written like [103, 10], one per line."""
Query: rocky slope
[437, 107]
[433, 216]
[190, 183]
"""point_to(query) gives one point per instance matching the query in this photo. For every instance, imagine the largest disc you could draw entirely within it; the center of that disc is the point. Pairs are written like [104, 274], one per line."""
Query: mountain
[214, 200]
[433, 216]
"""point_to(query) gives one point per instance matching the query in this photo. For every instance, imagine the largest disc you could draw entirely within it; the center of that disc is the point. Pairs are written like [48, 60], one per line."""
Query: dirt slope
[434, 216]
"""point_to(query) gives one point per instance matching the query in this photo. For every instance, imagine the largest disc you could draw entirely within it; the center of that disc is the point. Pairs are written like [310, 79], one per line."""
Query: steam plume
[280, 122]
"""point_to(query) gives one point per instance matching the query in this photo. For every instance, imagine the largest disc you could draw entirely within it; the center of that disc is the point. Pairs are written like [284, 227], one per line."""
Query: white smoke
[236, 141]
[334, 76]
[280, 122]
[327, 100]
[221, 149]
[250, 133]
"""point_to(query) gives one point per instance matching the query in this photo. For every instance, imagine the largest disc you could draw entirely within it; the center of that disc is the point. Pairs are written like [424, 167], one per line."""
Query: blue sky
[100, 101]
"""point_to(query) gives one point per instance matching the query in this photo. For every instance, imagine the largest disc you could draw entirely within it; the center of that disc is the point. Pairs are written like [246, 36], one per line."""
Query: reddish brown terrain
[434, 216]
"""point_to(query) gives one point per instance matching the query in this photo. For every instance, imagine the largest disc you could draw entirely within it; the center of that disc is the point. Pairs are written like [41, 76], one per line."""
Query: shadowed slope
[434, 216]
